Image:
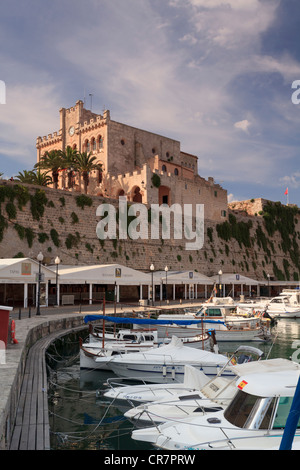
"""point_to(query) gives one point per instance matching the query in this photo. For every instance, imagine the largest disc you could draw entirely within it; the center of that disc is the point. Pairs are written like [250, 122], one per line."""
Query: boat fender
[164, 371]
[173, 373]
[13, 332]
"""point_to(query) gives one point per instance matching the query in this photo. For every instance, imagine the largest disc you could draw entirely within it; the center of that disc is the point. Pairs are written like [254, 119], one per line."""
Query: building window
[216, 193]
[122, 142]
[176, 171]
[87, 146]
[100, 142]
[223, 213]
[94, 145]
[164, 168]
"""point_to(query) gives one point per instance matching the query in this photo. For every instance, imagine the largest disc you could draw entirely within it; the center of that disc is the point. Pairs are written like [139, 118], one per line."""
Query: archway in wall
[164, 195]
[120, 193]
[136, 194]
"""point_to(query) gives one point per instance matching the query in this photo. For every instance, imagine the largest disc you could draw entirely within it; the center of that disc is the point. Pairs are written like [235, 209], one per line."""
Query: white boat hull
[161, 372]
[221, 334]
[88, 362]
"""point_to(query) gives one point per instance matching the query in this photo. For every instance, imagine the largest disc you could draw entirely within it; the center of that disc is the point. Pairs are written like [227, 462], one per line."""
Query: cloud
[243, 125]
[291, 180]
[23, 117]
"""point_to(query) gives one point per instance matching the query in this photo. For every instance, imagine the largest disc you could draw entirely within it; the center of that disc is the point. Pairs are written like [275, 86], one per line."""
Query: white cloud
[243, 125]
[291, 180]
[29, 110]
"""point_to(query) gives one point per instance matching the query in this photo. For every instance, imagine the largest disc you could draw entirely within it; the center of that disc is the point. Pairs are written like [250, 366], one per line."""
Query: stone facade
[130, 157]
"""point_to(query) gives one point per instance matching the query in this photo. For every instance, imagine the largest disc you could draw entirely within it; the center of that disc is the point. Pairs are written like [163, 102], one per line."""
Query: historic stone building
[130, 157]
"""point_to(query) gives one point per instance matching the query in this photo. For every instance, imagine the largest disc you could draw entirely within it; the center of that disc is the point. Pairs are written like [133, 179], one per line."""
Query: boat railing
[231, 441]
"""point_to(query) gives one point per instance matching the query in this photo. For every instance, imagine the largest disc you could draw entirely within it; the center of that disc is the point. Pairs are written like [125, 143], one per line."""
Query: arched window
[100, 142]
[94, 145]
[164, 168]
[176, 171]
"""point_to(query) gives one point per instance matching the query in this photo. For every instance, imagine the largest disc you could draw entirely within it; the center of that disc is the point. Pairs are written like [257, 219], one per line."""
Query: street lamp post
[220, 274]
[152, 269]
[166, 271]
[57, 262]
[268, 275]
[40, 258]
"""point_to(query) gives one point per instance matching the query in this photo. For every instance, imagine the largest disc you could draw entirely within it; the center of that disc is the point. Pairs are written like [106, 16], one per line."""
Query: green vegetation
[83, 201]
[240, 231]
[155, 180]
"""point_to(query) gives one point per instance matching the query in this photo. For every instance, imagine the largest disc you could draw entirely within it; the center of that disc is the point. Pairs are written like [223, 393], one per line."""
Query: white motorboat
[100, 333]
[255, 418]
[227, 325]
[166, 364]
[133, 395]
[193, 381]
[285, 305]
[97, 356]
[212, 396]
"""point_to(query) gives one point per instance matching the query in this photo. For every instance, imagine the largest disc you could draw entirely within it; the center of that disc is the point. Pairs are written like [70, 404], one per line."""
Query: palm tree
[33, 177]
[51, 161]
[85, 163]
[41, 179]
[69, 157]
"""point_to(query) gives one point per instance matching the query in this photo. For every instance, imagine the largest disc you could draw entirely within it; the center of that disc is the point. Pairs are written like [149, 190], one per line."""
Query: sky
[215, 75]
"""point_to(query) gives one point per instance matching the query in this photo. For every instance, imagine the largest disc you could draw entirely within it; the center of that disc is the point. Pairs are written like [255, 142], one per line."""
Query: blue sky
[214, 74]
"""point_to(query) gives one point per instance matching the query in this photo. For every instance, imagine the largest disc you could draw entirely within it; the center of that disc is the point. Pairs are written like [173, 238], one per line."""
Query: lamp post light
[40, 258]
[166, 271]
[57, 262]
[152, 269]
[220, 274]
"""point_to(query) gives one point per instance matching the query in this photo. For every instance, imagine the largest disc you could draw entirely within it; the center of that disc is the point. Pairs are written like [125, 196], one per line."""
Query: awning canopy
[230, 278]
[23, 271]
[101, 274]
[182, 277]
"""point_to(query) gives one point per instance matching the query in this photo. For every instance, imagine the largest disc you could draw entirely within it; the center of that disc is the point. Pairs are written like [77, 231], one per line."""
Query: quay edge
[28, 331]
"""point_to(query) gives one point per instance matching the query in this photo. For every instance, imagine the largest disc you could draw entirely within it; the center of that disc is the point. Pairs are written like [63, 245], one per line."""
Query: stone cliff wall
[63, 224]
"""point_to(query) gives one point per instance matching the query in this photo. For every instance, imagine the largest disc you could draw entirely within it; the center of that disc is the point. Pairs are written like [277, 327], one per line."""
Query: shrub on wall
[155, 180]
[83, 201]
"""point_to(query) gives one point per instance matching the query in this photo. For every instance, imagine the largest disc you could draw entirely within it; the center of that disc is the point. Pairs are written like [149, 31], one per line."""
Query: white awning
[101, 274]
[183, 277]
[23, 271]
[234, 278]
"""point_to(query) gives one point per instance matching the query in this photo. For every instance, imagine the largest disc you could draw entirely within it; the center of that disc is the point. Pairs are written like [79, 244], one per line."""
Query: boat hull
[162, 372]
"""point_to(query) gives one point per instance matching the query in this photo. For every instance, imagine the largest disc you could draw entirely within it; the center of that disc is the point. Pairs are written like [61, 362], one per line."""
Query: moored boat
[254, 419]
[166, 364]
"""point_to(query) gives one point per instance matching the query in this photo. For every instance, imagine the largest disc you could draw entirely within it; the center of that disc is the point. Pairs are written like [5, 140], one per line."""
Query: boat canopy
[147, 321]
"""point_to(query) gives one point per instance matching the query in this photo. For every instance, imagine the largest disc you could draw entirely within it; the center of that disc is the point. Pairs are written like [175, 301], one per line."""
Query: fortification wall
[51, 221]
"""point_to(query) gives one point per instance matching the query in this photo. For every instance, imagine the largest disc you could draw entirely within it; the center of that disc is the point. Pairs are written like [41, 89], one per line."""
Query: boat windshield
[209, 312]
[252, 412]
[249, 411]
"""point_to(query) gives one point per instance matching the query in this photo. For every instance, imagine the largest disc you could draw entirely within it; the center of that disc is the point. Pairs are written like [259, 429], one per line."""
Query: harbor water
[81, 419]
